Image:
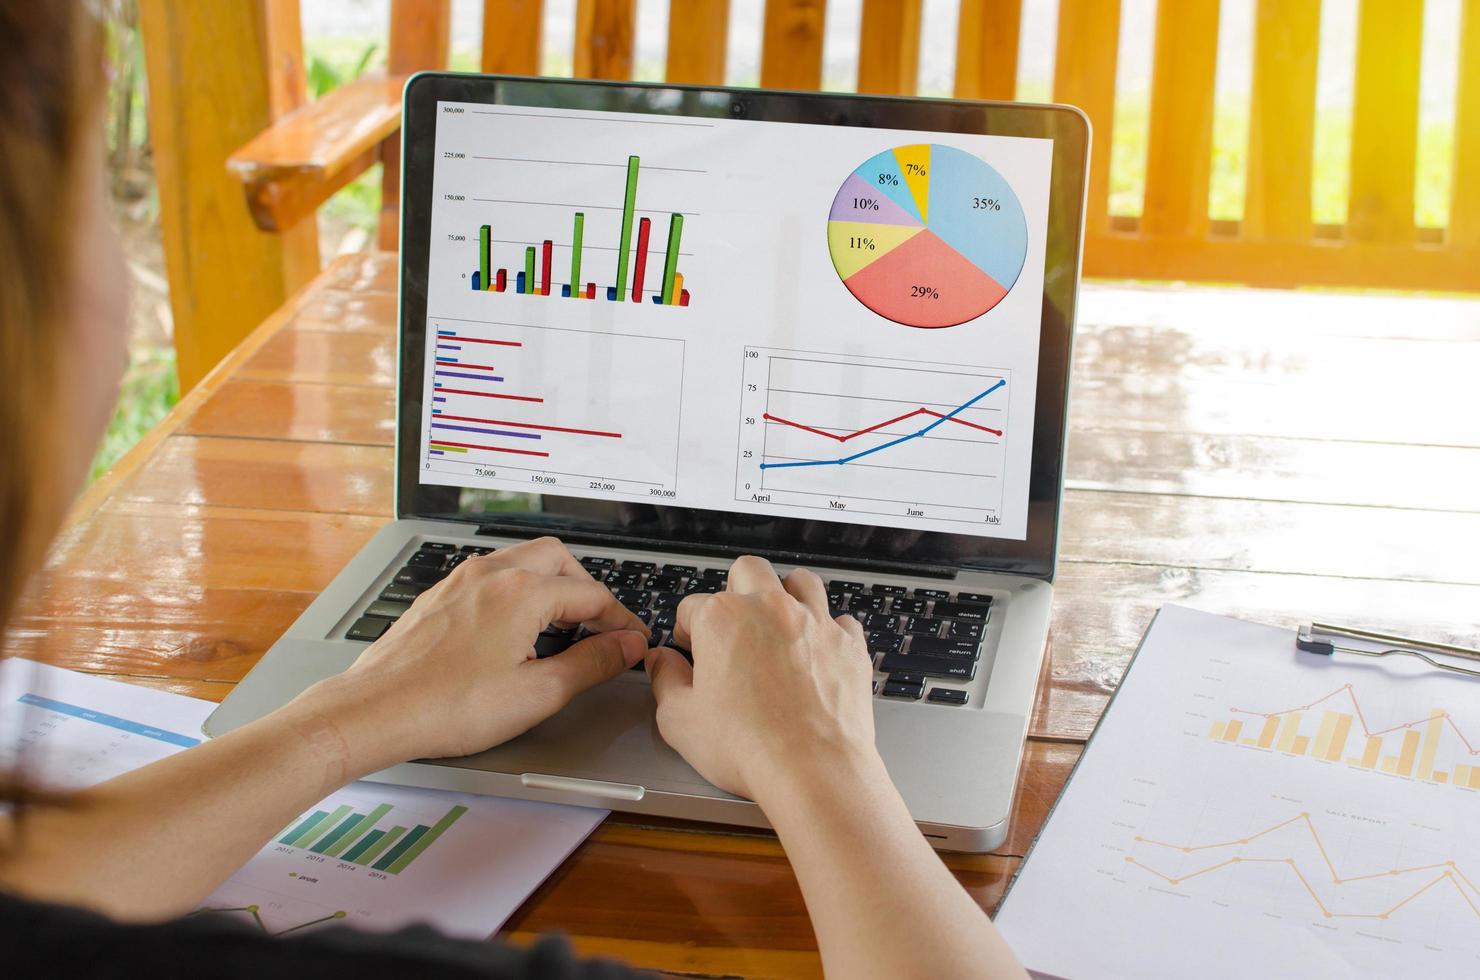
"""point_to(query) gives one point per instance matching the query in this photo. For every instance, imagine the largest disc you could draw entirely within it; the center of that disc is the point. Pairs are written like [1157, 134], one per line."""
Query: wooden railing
[290, 156]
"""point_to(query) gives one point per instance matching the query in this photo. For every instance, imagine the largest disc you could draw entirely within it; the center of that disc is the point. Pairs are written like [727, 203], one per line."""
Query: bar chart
[1335, 728]
[345, 834]
[535, 275]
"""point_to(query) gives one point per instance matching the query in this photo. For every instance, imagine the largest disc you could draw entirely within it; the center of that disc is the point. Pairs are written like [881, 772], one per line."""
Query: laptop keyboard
[914, 637]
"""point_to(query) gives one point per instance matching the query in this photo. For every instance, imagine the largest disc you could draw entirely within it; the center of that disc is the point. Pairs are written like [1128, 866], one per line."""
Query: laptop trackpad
[607, 734]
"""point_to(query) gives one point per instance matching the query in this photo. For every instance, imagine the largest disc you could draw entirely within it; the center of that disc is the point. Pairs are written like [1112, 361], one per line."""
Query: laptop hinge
[782, 556]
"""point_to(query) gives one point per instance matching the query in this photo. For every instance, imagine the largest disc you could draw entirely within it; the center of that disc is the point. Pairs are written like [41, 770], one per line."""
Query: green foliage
[149, 390]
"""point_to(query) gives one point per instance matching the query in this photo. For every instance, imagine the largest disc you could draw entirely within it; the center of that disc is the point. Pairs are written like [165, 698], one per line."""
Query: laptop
[672, 325]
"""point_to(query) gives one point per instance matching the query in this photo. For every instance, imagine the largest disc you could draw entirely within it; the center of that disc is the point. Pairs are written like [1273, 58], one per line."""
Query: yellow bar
[1230, 733]
[677, 287]
[1430, 744]
[1352, 760]
[1338, 737]
[1323, 735]
[1407, 754]
[1390, 763]
[1474, 777]
[1461, 775]
[1217, 731]
[1300, 745]
[1266, 734]
[1441, 777]
[1374, 746]
[1248, 741]
[1288, 728]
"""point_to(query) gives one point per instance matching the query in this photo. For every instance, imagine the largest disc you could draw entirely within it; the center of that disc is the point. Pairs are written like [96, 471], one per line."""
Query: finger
[671, 676]
[683, 621]
[570, 600]
[593, 660]
[806, 587]
[751, 574]
[547, 556]
[852, 627]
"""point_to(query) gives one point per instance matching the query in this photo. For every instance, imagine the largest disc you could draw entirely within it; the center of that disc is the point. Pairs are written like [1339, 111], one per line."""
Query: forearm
[881, 901]
[153, 843]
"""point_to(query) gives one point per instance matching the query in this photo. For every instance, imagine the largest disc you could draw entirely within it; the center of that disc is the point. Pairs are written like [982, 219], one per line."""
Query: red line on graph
[492, 449]
[459, 364]
[487, 394]
[878, 425]
[1361, 719]
[531, 425]
[476, 340]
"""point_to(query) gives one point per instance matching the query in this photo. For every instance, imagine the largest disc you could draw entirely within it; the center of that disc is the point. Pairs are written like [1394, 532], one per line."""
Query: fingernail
[634, 647]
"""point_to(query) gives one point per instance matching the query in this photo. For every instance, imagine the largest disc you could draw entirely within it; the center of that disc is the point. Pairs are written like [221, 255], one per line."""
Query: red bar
[492, 449]
[488, 394]
[549, 245]
[531, 425]
[502, 282]
[683, 298]
[642, 241]
[590, 290]
[460, 364]
[479, 340]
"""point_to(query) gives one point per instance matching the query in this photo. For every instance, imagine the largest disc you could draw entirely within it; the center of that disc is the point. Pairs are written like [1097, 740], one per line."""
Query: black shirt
[55, 941]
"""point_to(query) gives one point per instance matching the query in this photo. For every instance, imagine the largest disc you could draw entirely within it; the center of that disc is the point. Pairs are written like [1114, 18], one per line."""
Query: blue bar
[475, 281]
[449, 347]
[488, 432]
[611, 293]
[658, 299]
[464, 374]
[111, 721]
[519, 283]
[438, 398]
[565, 291]
[445, 333]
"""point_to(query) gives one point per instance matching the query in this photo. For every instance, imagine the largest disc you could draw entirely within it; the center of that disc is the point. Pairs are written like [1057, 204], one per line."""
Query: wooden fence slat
[1179, 156]
[889, 47]
[209, 94]
[1384, 161]
[605, 33]
[511, 36]
[697, 34]
[1282, 120]
[987, 36]
[420, 33]
[1084, 76]
[287, 83]
[1464, 211]
[791, 47]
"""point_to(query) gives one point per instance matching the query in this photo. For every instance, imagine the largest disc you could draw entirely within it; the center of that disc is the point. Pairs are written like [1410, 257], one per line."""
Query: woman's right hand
[777, 684]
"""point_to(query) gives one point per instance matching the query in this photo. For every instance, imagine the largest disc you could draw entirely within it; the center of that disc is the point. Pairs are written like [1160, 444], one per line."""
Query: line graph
[1449, 871]
[1420, 750]
[797, 407]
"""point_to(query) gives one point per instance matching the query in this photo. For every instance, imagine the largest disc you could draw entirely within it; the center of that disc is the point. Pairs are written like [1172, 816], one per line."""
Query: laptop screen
[647, 313]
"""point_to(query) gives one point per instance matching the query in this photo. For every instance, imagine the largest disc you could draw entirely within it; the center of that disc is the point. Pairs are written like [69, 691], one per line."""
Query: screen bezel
[706, 531]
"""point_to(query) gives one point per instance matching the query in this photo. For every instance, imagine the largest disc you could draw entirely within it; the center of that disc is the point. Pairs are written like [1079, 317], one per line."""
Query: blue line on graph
[894, 442]
[112, 721]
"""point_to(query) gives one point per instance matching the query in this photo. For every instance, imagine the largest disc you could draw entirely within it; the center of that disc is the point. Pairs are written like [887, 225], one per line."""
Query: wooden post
[421, 31]
[1084, 76]
[889, 47]
[697, 31]
[987, 36]
[210, 90]
[605, 33]
[791, 46]
[511, 36]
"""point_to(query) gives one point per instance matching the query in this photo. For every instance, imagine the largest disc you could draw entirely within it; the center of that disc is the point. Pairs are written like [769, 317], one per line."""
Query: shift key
[957, 669]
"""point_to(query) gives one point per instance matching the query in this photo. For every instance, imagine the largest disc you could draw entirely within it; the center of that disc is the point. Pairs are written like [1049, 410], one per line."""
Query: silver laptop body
[953, 742]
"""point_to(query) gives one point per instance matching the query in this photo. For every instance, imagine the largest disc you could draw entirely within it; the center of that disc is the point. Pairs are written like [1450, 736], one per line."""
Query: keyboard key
[548, 646]
[947, 695]
[923, 626]
[882, 641]
[980, 598]
[475, 549]
[646, 615]
[852, 587]
[879, 621]
[568, 632]
[637, 566]
[595, 561]
[667, 600]
[367, 629]
[707, 586]
[402, 593]
[867, 603]
[715, 574]
[663, 582]
[386, 609]
[961, 630]
[455, 560]
[665, 619]
[931, 594]
[887, 589]
[419, 575]
[927, 646]
[427, 559]
[598, 574]
[625, 580]
[908, 607]
[442, 546]
[898, 689]
[904, 677]
[963, 670]
[634, 599]
[962, 610]
[682, 571]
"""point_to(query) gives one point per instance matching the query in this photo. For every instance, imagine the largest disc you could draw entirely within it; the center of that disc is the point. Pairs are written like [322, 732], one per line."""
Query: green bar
[483, 264]
[372, 852]
[450, 449]
[354, 854]
[425, 841]
[337, 847]
[670, 266]
[575, 255]
[350, 823]
[628, 205]
[304, 827]
[396, 852]
[318, 829]
[529, 270]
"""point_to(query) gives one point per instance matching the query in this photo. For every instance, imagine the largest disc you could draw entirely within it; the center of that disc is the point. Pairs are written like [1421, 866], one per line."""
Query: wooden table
[1277, 456]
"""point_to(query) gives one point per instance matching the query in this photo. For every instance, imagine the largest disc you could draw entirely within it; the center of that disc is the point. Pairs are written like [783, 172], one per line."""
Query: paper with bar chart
[1249, 810]
[891, 438]
[598, 281]
[373, 856]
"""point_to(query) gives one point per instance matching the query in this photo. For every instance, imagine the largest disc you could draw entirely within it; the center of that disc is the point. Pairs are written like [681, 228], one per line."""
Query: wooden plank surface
[987, 37]
[1197, 475]
[697, 34]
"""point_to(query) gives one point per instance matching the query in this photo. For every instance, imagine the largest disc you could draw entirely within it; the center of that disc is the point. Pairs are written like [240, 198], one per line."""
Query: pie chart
[927, 235]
